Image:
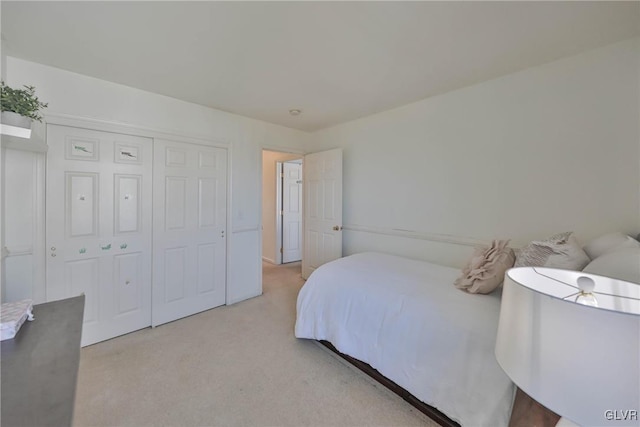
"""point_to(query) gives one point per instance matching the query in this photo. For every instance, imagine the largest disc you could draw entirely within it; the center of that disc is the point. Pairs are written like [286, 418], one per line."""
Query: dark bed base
[429, 411]
[526, 411]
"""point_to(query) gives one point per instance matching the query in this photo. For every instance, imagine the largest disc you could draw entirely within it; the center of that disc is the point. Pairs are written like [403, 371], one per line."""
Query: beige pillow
[486, 268]
[558, 251]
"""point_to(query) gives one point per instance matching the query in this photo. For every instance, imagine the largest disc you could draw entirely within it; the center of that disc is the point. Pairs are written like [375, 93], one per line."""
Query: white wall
[548, 149]
[24, 222]
[269, 191]
[74, 95]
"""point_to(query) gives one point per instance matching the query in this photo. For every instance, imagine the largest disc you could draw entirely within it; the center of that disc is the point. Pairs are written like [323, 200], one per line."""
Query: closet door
[98, 216]
[189, 226]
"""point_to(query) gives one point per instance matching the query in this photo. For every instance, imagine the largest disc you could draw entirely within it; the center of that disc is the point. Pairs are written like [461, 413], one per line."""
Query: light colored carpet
[236, 365]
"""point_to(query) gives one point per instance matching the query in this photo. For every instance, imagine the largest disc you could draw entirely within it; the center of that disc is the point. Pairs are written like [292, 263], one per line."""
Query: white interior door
[291, 212]
[98, 217]
[189, 226]
[322, 209]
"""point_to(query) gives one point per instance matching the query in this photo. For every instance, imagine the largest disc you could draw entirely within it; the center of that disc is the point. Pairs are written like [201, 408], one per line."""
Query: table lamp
[571, 341]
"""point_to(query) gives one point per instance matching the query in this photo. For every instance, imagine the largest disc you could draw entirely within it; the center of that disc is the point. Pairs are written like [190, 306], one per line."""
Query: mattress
[407, 320]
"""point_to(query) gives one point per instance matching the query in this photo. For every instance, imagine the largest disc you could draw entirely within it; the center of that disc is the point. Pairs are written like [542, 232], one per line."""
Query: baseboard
[236, 300]
[269, 260]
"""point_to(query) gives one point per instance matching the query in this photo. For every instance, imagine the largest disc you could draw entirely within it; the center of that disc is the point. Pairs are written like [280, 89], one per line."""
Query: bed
[405, 319]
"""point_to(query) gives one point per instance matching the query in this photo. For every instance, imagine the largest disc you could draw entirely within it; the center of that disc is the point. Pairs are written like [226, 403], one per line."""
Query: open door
[189, 225]
[291, 212]
[322, 209]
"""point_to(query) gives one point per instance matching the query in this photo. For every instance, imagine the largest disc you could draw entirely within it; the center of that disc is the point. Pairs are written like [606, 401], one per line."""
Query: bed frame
[428, 410]
[526, 411]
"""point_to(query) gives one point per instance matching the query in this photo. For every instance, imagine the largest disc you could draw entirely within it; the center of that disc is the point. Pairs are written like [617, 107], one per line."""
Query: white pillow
[558, 251]
[609, 242]
[623, 264]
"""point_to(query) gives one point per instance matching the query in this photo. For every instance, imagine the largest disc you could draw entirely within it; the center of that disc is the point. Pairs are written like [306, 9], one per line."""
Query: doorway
[289, 201]
[281, 207]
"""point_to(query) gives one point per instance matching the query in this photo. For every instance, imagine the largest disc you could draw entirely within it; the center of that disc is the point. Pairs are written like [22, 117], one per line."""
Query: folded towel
[12, 316]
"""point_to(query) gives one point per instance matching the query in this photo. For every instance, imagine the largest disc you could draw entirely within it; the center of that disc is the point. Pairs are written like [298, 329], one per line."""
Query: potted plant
[20, 106]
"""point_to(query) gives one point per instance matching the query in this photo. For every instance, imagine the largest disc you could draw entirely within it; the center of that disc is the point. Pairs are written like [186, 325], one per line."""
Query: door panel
[127, 202]
[190, 205]
[128, 152]
[82, 204]
[175, 203]
[322, 210]
[174, 274]
[176, 157]
[207, 190]
[82, 148]
[82, 277]
[206, 269]
[128, 283]
[329, 200]
[98, 216]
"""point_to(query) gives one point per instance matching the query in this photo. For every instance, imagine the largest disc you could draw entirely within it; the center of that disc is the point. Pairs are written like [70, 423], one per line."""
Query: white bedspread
[407, 320]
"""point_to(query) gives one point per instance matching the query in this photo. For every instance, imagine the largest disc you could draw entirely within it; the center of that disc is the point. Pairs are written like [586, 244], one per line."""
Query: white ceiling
[336, 61]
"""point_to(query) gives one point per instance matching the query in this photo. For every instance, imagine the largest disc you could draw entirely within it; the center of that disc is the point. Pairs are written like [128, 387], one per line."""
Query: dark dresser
[39, 366]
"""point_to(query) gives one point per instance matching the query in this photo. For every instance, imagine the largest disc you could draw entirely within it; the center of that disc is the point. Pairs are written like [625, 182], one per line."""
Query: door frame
[153, 133]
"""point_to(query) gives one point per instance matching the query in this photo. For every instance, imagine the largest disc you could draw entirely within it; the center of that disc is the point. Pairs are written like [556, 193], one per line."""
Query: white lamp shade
[579, 361]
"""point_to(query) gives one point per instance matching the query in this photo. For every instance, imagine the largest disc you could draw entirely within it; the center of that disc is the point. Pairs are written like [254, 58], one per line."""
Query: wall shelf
[16, 143]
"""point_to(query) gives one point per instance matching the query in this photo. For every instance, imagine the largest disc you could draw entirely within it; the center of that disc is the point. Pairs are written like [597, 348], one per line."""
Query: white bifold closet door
[98, 218]
[189, 226]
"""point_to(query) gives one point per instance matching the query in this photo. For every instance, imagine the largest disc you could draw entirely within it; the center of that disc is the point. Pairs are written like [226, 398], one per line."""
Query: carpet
[237, 365]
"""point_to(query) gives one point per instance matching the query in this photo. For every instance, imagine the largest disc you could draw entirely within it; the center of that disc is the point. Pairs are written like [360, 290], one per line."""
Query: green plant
[21, 101]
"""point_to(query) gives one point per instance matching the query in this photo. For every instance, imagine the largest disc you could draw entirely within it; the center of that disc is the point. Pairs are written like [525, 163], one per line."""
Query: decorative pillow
[558, 251]
[486, 268]
[623, 264]
[609, 242]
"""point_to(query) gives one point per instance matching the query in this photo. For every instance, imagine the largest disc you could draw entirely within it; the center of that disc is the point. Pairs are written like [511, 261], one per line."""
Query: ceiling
[335, 61]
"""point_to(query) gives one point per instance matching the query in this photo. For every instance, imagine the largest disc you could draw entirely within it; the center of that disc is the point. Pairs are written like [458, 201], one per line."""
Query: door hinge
[281, 174]
[281, 251]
